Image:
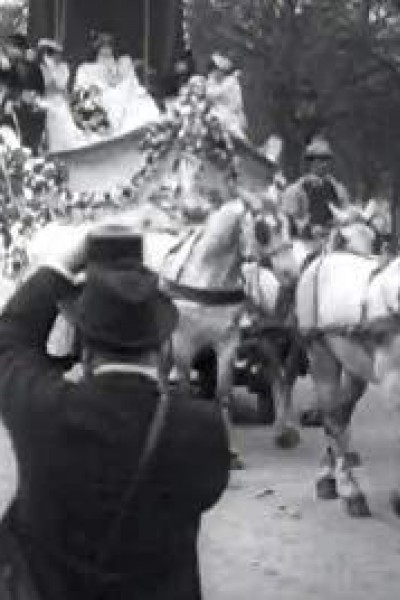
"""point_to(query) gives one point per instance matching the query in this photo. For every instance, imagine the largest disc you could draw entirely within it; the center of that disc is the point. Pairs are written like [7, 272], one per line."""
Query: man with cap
[115, 469]
[224, 91]
[308, 199]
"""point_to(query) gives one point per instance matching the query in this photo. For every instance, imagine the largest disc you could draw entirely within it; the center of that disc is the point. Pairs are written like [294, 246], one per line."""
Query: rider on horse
[307, 201]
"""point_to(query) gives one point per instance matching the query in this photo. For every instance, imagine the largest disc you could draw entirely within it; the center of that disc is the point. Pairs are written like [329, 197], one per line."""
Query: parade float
[167, 174]
[183, 161]
[155, 34]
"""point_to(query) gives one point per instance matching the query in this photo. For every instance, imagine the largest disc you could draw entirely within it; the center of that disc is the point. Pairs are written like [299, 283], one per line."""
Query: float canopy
[151, 30]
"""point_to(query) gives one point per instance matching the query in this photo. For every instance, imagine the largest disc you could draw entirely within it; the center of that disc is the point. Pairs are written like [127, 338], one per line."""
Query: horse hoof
[353, 460]
[236, 463]
[357, 506]
[288, 438]
[311, 418]
[326, 488]
[395, 502]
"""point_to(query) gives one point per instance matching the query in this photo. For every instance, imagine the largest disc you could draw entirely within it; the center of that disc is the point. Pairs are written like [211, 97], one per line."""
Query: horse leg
[225, 377]
[337, 421]
[183, 352]
[325, 371]
[352, 389]
[337, 403]
[286, 433]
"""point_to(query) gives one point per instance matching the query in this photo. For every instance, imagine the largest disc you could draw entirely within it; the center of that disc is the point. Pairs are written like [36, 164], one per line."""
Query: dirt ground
[270, 539]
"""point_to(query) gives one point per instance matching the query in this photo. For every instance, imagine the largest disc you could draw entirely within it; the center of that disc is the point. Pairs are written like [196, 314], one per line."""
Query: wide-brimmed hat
[318, 148]
[120, 308]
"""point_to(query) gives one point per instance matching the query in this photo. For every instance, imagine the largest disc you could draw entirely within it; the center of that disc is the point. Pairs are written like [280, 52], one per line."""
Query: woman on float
[61, 129]
[127, 103]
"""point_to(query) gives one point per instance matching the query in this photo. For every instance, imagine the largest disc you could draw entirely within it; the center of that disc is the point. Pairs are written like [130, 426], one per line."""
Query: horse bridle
[263, 236]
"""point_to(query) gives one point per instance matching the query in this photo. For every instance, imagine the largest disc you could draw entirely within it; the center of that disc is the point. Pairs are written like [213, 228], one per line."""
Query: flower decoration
[88, 111]
[35, 189]
[193, 129]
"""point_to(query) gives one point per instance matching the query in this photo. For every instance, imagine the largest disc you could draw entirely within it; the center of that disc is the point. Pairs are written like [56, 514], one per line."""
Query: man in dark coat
[78, 442]
[308, 199]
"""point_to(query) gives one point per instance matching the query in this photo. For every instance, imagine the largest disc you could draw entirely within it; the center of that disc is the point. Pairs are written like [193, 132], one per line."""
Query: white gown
[226, 100]
[127, 103]
[62, 132]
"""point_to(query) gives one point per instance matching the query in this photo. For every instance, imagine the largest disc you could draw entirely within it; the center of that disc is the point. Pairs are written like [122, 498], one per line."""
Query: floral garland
[87, 110]
[35, 190]
[195, 129]
[32, 190]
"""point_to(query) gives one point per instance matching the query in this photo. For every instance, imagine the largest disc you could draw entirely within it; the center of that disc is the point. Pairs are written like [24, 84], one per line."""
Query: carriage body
[110, 166]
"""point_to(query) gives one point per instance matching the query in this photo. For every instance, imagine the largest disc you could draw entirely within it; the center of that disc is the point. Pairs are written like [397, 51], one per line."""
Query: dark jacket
[77, 445]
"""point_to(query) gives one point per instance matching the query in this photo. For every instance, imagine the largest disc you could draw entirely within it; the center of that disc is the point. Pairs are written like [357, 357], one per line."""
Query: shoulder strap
[149, 448]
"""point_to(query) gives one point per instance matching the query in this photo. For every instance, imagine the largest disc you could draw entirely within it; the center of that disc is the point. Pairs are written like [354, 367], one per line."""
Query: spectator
[90, 525]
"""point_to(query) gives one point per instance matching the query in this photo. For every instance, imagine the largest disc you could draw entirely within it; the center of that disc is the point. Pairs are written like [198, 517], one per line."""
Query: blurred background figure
[224, 91]
[272, 150]
[23, 87]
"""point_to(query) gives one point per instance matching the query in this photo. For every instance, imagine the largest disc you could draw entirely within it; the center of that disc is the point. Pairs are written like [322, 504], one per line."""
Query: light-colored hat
[318, 148]
[223, 63]
[48, 44]
[271, 149]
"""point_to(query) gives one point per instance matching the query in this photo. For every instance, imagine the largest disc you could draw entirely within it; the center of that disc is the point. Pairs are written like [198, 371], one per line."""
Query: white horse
[287, 257]
[348, 308]
[203, 273]
[201, 268]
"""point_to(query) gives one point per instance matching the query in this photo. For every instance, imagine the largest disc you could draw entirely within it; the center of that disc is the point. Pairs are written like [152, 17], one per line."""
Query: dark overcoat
[77, 445]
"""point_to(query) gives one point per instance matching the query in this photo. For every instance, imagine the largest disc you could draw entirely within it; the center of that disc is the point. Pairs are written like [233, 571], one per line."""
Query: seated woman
[126, 101]
[61, 129]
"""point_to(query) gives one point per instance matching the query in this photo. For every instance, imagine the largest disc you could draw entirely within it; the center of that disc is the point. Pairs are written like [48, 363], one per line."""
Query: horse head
[356, 229]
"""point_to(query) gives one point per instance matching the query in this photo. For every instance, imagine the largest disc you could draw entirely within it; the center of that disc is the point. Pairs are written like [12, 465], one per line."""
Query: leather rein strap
[207, 297]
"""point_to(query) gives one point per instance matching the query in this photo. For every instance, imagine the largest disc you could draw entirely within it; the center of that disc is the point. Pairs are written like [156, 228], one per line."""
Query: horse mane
[222, 226]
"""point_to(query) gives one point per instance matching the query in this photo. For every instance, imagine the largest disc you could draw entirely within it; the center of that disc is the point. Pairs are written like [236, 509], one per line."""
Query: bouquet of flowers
[87, 110]
[195, 129]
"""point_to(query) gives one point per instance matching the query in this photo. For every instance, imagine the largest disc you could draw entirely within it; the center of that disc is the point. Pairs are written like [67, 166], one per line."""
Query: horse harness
[207, 297]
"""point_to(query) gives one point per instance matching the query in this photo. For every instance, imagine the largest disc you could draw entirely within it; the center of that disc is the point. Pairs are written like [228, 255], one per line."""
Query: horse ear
[344, 215]
[370, 210]
[339, 214]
